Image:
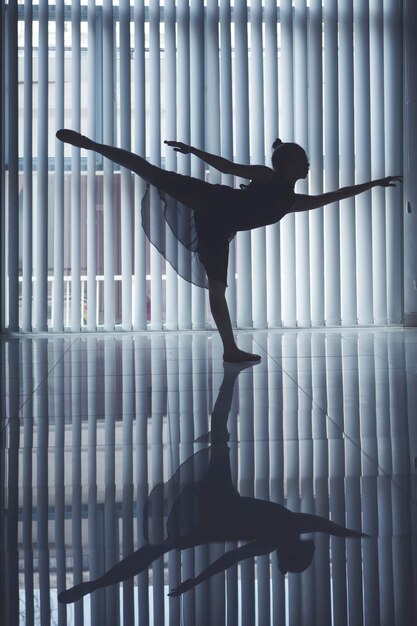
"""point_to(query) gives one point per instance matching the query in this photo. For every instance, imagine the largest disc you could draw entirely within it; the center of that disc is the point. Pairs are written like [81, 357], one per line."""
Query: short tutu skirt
[195, 241]
[200, 487]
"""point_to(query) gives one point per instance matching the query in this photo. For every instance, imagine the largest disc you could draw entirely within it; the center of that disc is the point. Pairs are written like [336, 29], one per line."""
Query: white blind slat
[155, 157]
[126, 176]
[363, 161]
[286, 110]
[108, 168]
[91, 200]
[347, 166]
[27, 252]
[204, 112]
[331, 164]
[376, 51]
[41, 214]
[257, 142]
[170, 105]
[273, 268]
[242, 152]
[58, 244]
[76, 168]
[183, 133]
[140, 290]
[315, 155]
[301, 137]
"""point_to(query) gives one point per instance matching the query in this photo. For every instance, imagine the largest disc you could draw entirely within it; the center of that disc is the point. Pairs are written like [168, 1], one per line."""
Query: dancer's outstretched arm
[255, 548]
[306, 202]
[261, 173]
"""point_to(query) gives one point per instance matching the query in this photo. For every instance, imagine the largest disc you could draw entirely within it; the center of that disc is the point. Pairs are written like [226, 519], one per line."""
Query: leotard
[196, 242]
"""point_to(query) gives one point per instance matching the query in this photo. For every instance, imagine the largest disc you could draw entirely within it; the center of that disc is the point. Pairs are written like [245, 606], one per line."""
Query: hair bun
[277, 143]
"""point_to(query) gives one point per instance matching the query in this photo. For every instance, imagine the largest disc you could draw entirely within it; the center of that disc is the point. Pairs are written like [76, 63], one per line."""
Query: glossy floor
[213, 483]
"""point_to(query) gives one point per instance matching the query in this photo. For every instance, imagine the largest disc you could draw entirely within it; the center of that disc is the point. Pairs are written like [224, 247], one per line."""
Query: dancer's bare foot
[73, 138]
[239, 356]
[234, 368]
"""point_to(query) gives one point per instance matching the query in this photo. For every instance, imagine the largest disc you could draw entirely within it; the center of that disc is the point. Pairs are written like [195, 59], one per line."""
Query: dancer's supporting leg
[220, 312]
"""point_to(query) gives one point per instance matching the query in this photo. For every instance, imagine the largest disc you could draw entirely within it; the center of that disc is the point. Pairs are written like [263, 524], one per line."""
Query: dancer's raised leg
[220, 312]
[190, 191]
[131, 161]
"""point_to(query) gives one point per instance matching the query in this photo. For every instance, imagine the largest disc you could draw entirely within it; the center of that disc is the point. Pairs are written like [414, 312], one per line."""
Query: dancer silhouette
[210, 509]
[205, 217]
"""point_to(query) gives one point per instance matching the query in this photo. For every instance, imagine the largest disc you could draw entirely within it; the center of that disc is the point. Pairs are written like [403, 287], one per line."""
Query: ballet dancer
[220, 211]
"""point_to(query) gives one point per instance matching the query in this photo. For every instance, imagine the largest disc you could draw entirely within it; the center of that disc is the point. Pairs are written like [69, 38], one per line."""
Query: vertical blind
[227, 77]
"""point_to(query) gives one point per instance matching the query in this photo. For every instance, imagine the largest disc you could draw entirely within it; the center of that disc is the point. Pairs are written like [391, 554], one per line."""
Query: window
[227, 77]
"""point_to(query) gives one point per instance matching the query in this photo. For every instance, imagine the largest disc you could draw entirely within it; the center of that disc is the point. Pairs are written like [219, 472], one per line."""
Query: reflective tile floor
[144, 482]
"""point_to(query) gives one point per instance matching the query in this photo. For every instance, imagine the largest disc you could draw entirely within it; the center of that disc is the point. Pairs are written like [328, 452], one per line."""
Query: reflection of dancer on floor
[212, 510]
[221, 211]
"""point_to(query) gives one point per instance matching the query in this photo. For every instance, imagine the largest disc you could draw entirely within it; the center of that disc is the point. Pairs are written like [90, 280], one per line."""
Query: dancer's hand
[390, 181]
[182, 588]
[179, 146]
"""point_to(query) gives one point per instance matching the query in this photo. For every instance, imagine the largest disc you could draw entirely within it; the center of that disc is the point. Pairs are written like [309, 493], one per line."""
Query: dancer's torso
[257, 204]
[263, 203]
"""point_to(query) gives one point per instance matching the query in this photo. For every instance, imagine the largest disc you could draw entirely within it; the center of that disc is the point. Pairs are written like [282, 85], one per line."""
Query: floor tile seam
[382, 471]
[352, 342]
[32, 394]
[279, 367]
[381, 358]
[349, 438]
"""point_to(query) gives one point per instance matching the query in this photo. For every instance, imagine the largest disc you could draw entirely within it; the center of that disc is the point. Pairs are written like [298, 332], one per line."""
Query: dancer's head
[290, 159]
[295, 555]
